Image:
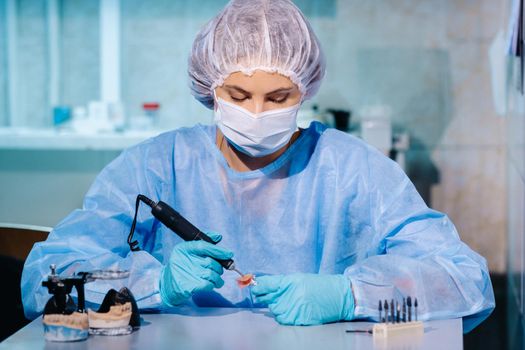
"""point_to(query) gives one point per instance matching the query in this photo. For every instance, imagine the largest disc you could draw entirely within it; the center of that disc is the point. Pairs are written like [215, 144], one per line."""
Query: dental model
[60, 327]
[118, 316]
[246, 280]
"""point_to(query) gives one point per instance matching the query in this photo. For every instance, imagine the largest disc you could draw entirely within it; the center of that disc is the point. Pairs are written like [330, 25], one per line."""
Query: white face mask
[256, 135]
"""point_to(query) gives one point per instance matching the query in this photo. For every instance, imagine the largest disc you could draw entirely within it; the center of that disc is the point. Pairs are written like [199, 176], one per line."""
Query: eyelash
[282, 100]
[238, 99]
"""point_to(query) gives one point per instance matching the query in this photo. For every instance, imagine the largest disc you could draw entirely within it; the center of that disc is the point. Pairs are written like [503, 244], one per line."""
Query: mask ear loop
[215, 101]
[216, 108]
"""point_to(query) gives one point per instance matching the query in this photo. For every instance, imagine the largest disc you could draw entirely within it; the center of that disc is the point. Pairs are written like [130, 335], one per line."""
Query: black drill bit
[415, 307]
[386, 311]
[380, 310]
[369, 331]
[404, 310]
[409, 305]
[398, 312]
[392, 311]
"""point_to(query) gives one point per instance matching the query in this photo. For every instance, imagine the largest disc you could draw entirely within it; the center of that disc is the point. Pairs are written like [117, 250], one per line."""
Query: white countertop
[217, 328]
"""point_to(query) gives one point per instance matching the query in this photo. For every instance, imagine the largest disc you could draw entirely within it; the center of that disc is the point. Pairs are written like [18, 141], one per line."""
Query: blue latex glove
[192, 267]
[306, 299]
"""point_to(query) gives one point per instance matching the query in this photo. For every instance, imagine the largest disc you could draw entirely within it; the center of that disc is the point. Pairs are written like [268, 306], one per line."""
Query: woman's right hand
[192, 267]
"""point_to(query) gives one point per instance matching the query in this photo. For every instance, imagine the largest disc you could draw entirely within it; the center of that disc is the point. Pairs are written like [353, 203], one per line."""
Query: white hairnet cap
[249, 35]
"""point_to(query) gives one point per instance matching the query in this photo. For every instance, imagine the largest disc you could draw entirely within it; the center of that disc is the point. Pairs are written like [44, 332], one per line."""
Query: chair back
[17, 240]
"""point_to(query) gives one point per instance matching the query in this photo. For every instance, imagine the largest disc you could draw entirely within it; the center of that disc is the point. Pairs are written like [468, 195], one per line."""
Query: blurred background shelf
[54, 139]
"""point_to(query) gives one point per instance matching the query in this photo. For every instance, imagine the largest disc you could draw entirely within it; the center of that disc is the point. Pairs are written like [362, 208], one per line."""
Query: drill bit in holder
[393, 320]
[395, 323]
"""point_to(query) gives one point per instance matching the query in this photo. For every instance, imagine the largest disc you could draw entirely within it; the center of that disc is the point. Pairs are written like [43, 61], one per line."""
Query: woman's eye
[238, 99]
[280, 99]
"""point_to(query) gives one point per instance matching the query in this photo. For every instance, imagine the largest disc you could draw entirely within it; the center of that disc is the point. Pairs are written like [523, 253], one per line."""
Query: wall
[427, 60]
[42, 187]
[79, 61]
[31, 64]
[80, 68]
[3, 63]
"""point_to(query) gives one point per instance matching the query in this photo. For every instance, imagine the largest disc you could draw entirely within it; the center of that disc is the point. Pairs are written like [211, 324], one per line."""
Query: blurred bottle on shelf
[149, 118]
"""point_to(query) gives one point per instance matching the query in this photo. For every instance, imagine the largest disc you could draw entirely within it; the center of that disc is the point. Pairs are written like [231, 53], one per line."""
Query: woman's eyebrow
[239, 89]
[283, 89]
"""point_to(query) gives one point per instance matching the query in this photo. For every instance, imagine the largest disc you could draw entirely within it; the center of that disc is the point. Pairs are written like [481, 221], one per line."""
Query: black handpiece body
[182, 227]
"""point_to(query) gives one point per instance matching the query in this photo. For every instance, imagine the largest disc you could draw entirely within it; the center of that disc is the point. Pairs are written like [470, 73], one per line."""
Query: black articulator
[64, 321]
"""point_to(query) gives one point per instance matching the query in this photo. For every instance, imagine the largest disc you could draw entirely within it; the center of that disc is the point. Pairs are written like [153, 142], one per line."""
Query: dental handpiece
[183, 228]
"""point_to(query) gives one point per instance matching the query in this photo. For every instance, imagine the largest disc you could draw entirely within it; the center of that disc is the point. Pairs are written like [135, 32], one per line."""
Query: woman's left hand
[306, 299]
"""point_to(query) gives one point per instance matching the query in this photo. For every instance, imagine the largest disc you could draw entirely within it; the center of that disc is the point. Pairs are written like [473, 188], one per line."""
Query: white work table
[214, 328]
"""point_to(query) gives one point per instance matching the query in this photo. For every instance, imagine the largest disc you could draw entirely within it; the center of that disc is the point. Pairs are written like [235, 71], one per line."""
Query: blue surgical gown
[330, 204]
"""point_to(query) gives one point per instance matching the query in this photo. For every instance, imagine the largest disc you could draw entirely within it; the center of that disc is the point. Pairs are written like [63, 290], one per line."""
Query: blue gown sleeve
[95, 237]
[416, 252]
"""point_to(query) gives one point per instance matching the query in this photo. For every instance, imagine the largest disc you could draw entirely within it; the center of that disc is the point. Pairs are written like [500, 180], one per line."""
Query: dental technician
[327, 223]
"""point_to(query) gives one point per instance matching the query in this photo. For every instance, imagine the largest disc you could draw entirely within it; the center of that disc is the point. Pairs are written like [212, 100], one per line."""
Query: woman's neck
[242, 162]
